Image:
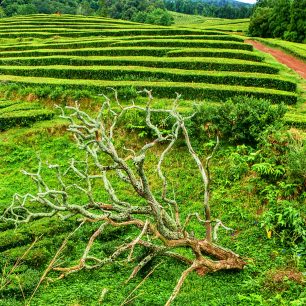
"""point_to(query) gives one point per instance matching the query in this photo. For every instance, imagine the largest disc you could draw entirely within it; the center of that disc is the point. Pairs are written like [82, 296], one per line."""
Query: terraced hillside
[51, 54]
[211, 23]
[96, 53]
[21, 114]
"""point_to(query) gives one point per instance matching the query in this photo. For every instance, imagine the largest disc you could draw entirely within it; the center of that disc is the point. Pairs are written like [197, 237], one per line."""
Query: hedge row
[59, 45]
[18, 107]
[63, 19]
[138, 51]
[296, 120]
[4, 103]
[23, 118]
[198, 91]
[112, 33]
[141, 73]
[116, 51]
[225, 38]
[39, 30]
[179, 63]
[186, 43]
[76, 26]
[244, 55]
[188, 37]
[118, 41]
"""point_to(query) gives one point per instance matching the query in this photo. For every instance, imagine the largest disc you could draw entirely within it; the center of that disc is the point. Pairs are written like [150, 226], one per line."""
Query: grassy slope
[235, 202]
[210, 23]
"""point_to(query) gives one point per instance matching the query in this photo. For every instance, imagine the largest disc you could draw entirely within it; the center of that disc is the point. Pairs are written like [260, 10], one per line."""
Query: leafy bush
[297, 163]
[240, 120]
[287, 222]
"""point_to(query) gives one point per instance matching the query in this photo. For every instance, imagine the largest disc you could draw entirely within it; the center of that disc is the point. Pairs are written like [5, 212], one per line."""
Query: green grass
[231, 203]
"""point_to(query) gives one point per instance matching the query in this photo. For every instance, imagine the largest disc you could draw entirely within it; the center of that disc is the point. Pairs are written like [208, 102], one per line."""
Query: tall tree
[280, 18]
[297, 27]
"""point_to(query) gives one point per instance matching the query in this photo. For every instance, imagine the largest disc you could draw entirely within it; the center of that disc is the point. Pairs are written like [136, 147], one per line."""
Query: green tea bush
[187, 43]
[159, 74]
[240, 119]
[178, 63]
[244, 55]
[23, 118]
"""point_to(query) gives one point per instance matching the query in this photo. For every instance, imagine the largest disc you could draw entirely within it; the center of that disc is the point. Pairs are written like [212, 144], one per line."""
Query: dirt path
[284, 58]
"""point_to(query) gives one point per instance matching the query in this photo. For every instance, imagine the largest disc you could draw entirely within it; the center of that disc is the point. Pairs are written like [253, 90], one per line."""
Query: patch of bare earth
[282, 57]
[277, 280]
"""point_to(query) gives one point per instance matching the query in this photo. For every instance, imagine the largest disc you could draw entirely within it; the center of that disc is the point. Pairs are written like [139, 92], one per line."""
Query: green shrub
[18, 107]
[240, 120]
[297, 162]
[287, 222]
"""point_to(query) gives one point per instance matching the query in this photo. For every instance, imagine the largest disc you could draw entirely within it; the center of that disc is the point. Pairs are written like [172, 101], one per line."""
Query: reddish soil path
[284, 58]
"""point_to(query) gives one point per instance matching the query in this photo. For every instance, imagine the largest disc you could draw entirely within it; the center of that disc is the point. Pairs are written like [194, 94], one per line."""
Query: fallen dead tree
[162, 230]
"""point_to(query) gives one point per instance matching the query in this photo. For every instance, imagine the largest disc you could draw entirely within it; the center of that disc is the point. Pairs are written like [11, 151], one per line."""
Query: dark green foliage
[148, 11]
[297, 162]
[25, 7]
[259, 24]
[287, 221]
[211, 8]
[239, 120]
[23, 118]
[280, 19]
[296, 30]
[145, 11]
[157, 16]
